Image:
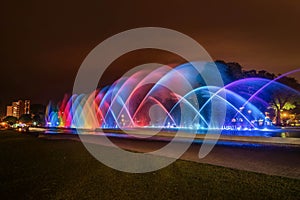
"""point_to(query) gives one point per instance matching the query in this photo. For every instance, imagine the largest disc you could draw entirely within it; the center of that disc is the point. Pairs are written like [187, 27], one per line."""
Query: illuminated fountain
[150, 99]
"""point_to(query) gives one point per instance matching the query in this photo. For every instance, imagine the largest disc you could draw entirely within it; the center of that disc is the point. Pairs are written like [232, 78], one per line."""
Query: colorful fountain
[147, 99]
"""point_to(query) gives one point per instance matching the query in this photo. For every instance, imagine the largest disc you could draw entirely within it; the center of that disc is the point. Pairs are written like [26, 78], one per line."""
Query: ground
[35, 168]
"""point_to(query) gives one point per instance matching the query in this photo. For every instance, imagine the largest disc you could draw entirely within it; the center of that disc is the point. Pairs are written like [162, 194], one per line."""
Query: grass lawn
[33, 168]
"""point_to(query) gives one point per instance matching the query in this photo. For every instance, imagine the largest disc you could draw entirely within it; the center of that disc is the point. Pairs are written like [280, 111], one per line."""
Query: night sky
[43, 43]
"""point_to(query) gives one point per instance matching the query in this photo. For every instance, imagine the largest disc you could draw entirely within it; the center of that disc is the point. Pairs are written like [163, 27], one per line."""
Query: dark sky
[44, 42]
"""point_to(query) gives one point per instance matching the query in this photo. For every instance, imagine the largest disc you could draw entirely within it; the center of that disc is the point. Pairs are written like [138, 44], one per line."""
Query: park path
[279, 159]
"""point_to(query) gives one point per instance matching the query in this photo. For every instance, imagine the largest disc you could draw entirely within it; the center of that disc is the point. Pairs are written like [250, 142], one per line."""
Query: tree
[225, 71]
[250, 74]
[265, 74]
[38, 120]
[235, 71]
[10, 120]
[25, 118]
[282, 100]
[38, 111]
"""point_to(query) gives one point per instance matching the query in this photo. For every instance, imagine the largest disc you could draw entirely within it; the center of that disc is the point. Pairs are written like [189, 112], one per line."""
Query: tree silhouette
[10, 120]
[25, 118]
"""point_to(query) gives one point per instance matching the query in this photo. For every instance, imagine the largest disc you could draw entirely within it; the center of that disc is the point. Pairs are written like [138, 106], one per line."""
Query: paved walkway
[279, 159]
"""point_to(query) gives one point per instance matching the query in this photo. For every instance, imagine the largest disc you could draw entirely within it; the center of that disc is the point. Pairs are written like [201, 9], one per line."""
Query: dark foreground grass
[33, 168]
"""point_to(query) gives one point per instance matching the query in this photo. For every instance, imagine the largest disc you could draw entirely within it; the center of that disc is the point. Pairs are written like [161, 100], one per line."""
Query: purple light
[127, 102]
